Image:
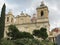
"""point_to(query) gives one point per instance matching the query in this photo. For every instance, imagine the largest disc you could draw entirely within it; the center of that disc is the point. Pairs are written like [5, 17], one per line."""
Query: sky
[29, 6]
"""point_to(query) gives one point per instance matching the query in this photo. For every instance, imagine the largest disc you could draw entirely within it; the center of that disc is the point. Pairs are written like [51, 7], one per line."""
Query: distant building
[24, 22]
[54, 34]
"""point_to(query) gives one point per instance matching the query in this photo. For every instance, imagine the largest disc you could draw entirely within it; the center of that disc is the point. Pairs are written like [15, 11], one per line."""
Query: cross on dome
[42, 3]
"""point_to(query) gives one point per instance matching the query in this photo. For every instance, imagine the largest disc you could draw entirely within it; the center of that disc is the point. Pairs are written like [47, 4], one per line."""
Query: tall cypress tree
[2, 21]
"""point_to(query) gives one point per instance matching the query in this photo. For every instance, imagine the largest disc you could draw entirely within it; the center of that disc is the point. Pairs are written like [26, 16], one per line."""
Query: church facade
[24, 22]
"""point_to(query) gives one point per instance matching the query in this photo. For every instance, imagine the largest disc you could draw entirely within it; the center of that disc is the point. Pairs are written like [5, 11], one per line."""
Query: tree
[42, 33]
[16, 34]
[36, 33]
[13, 31]
[27, 41]
[27, 35]
[2, 21]
[7, 42]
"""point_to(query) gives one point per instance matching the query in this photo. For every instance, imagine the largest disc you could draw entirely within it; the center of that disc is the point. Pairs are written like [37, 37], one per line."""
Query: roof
[55, 30]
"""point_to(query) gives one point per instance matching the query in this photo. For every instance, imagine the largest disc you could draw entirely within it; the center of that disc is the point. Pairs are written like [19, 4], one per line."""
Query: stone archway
[58, 39]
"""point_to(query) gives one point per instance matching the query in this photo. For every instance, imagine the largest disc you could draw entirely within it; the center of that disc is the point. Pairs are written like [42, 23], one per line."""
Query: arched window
[11, 19]
[42, 13]
[7, 19]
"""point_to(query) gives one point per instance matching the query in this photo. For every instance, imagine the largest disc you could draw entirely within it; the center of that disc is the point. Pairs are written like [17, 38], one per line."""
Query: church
[24, 22]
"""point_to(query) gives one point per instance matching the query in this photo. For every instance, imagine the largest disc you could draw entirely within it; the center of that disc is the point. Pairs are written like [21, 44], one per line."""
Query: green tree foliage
[13, 32]
[7, 42]
[16, 34]
[27, 41]
[2, 21]
[46, 42]
[42, 33]
[27, 35]
[36, 33]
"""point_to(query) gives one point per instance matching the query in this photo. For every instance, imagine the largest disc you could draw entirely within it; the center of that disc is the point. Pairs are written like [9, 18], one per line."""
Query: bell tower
[42, 11]
[42, 16]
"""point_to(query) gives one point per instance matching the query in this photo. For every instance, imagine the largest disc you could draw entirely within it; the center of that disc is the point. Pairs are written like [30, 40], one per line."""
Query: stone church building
[24, 22]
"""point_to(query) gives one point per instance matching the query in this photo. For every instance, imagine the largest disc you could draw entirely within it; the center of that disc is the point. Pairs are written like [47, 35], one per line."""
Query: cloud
[54, 13]
[18, 5]
[1, 3]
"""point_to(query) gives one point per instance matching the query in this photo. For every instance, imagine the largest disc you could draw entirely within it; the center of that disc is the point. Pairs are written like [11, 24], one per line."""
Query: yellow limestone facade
[24, 22]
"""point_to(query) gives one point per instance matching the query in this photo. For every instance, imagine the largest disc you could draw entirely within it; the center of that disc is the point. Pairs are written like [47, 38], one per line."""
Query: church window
[11, 19]
[7, 19]
[42, 13]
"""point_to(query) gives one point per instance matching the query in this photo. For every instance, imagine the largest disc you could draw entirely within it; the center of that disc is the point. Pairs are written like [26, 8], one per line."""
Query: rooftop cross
[42, 2]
